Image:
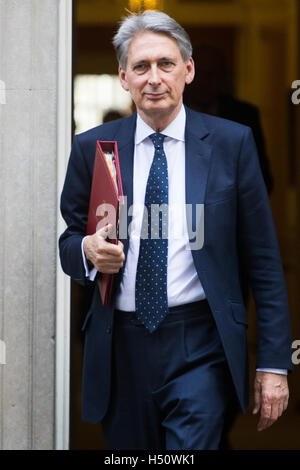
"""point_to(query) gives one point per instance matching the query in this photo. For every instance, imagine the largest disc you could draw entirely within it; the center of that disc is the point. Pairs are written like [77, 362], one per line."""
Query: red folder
[106, 200]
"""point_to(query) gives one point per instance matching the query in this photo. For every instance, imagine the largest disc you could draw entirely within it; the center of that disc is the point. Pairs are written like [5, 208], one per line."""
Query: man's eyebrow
[146, 61]
[168, 59]
[138, 62]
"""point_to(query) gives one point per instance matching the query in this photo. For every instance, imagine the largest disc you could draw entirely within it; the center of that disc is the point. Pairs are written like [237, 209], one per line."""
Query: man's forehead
[148, 43]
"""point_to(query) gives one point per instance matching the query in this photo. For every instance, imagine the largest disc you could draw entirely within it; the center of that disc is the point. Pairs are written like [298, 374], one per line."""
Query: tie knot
[157, 139]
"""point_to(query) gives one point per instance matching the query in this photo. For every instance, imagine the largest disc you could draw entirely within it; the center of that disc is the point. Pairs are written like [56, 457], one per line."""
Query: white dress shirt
[183, 282]
[184, 285]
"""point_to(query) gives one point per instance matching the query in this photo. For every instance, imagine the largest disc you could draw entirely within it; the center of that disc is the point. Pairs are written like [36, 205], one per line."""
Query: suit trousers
[170, 388]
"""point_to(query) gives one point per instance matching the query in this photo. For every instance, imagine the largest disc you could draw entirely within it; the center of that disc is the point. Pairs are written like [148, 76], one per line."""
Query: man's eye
[140, 68]
[166, 64]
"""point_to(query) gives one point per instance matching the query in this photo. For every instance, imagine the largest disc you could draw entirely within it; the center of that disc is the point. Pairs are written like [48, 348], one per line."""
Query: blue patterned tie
[151, 301]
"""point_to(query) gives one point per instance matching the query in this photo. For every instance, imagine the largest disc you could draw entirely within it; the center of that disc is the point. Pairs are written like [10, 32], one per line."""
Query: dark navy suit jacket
[223, 173]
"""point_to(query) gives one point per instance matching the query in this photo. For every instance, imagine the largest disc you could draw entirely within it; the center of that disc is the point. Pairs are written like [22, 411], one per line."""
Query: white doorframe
[64, 136]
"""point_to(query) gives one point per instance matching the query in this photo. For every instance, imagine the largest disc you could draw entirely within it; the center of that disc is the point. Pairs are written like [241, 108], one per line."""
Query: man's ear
[122, 77]
[190, 71]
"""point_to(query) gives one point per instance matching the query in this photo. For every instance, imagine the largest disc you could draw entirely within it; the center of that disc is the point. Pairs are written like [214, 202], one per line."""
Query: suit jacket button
[108, 329]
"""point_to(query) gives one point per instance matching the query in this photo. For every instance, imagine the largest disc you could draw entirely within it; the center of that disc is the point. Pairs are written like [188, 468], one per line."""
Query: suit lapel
[125, 139]
[197, 163]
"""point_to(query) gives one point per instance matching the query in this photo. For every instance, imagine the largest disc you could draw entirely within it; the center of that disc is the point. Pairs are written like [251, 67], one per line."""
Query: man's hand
[105, 256]
[271, 395]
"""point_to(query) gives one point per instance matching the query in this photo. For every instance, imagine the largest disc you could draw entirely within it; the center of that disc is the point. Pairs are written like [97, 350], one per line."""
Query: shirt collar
[175, 129]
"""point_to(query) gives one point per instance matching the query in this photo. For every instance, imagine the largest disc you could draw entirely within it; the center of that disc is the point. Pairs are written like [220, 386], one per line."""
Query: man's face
[155, 75]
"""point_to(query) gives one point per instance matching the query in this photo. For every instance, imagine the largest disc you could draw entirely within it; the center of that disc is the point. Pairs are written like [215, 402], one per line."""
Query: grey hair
[156, 22]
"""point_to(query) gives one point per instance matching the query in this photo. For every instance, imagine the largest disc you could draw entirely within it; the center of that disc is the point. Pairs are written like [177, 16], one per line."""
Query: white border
[64, 136]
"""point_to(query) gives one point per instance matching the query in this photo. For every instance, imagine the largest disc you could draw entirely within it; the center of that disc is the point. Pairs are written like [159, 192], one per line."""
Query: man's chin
[158, 106]
[158, 112]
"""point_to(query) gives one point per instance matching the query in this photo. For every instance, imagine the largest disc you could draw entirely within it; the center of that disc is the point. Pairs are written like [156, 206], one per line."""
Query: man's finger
[257, 397]
[275, 412]
[280, 409]
[265, 416]
[113, 250]
[120, 244]
[269, 414]
[285, 402]
[109, 264]
[264, 424]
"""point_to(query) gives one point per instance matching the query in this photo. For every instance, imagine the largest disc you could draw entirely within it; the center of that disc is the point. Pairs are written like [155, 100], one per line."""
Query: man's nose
[154, 76]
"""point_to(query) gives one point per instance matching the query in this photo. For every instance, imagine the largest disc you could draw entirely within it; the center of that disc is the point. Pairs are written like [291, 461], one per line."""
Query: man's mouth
[155, 96]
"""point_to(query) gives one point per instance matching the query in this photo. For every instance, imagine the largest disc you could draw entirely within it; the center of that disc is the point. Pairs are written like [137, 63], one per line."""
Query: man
[165, 359]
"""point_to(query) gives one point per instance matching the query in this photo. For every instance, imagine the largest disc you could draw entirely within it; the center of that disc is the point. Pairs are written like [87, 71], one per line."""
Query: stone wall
[28, 131]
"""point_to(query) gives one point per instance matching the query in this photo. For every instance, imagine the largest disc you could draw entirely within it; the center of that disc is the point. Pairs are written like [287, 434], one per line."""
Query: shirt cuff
[273, 371]
[90, 273]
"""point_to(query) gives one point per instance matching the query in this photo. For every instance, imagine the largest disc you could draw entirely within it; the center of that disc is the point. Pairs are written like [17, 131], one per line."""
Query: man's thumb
[104, 232]
[257, 398]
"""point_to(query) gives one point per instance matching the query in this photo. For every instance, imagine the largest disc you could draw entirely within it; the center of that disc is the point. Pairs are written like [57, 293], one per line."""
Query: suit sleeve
[259, 251]
[74, 208]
